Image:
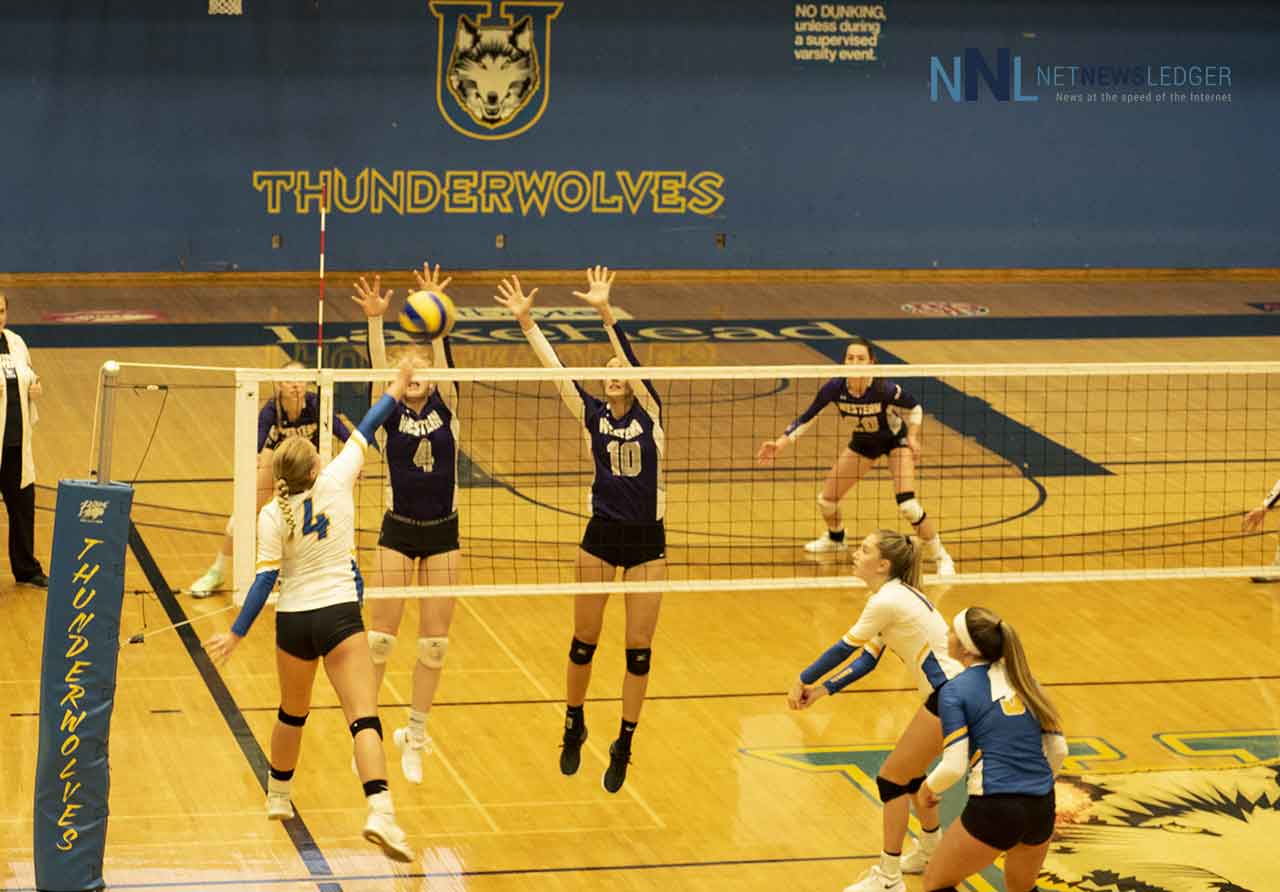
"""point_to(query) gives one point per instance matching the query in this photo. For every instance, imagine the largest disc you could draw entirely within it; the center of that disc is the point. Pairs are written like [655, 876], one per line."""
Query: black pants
[20, 502]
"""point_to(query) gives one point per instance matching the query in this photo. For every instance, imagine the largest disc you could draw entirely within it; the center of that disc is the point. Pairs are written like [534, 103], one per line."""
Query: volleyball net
[1030, 472]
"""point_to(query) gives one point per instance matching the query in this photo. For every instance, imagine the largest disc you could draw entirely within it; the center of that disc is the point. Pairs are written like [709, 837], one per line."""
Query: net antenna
[225, 7]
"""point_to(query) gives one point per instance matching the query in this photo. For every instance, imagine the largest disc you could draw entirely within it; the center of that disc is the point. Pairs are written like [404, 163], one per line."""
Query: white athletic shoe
[411, 754]
[876, 881]
[279, 808]
[946, 566]
[824, 544]
[208, 584]
[915, 861]
[382, 830]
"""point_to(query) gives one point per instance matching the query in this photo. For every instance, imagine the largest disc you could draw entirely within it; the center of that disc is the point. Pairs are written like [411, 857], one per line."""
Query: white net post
[244, 513]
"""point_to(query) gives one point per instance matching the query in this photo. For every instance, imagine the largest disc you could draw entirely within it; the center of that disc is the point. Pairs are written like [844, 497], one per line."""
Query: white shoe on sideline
[411, 754]
[824, 544]
[915, 861]
[382, 830]
[946, 566]
[279, 808]
[874, 880]
[208, 584]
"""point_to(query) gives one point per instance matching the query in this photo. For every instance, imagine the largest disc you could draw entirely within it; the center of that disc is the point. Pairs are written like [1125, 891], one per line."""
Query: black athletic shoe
[39, 581]
[616, 774]
[571, 751]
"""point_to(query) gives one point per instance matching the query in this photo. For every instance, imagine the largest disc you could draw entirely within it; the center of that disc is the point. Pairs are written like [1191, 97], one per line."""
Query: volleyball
[428, 315]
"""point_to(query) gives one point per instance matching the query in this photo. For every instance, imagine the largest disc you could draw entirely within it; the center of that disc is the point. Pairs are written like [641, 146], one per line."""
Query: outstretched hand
[370, 298]
[1254, 519]
[770, 450]
[599, 280]
[514, 298]
[429, 279]
[220, 646]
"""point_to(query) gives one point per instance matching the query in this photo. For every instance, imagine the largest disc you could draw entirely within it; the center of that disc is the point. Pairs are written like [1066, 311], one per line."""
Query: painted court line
[546, 695]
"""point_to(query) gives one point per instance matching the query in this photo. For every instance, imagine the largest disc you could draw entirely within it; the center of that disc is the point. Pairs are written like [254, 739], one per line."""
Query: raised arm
[441, 349]
[599, 283]
[771, 449]
[374, 302]
[512, 296]
[346, 467]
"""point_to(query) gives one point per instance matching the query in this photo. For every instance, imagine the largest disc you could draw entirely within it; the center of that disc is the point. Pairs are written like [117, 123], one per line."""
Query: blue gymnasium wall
[133, 131]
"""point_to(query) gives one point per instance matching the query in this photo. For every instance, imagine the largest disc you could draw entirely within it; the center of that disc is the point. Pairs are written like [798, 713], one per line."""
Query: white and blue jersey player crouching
[897, 616]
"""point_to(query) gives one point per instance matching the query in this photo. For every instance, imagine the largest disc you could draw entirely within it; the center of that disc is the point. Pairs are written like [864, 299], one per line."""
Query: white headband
[961, 626]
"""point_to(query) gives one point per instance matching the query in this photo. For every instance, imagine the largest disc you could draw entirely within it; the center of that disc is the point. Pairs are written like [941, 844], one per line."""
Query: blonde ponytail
[903, 554]
[286, 509]
[291, 467]
[995, 640]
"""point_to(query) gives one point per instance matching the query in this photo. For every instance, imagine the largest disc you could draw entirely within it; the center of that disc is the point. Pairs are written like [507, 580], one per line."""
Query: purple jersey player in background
[418, 543]
[886, 421]
[294, 412]
[625, 530]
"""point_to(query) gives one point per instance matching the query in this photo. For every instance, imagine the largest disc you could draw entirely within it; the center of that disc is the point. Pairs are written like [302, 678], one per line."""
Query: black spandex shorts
[311, 634]
[1003, 820]
[419, 538]
[625, 544]
[875, 445]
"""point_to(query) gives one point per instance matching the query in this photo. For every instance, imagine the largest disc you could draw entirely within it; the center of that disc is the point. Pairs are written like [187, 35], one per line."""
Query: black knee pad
[638, 659]
[913, 785]
[368, 721]
[581, 653]
[297, 721]
[890, 791]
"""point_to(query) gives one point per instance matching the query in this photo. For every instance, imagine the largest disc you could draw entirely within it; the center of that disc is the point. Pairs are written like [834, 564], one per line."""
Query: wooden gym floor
[1170, 690]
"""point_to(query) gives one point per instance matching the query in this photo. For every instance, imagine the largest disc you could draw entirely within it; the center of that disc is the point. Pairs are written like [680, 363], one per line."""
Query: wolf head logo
[1169, 831]
[493, 73]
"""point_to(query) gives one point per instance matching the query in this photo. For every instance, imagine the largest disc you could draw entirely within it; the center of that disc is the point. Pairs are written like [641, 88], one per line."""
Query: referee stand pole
[78, 668]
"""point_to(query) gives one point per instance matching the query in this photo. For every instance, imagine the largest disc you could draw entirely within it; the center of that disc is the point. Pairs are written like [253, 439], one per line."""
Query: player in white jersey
[899, 617]
[997, 711]
[418, 542]
[306, 538]
[1253, 521]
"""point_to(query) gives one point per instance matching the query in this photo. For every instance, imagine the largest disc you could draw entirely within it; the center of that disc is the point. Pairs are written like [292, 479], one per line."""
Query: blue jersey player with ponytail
[626, 531]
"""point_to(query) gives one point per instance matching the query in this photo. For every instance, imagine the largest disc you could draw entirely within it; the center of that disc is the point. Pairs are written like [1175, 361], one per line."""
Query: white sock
[929, 840]
[381, 803]
[280, 787]
[418, 725]
[890, 865]
[219, 563]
